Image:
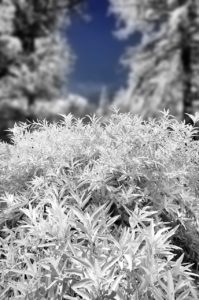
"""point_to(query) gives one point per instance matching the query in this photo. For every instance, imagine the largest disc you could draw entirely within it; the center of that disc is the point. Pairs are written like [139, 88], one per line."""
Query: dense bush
[100, 211]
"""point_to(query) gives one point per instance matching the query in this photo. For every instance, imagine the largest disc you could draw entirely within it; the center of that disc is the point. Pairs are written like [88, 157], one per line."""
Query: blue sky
[98, 51]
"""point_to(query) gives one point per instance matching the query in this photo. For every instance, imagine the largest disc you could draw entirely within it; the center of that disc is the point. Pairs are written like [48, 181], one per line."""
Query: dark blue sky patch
[98, 51]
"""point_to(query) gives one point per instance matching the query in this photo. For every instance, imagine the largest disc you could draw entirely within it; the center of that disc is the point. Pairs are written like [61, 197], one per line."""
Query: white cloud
[88, 88]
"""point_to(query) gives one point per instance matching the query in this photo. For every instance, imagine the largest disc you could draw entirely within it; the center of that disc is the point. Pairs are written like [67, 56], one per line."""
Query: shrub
[100, 211]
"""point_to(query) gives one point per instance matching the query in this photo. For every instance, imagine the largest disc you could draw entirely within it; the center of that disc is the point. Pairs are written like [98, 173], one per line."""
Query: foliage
[94, 211]
[163, 68]
[35, 57]
[32, 51]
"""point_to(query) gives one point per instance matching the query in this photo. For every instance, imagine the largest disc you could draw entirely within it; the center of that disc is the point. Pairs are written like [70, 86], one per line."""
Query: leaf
[82, 262]
[23, 272]
[170, 285]
[129, 259]
[74, 272]
[84, 295]
[108, 265]
[82, 283]
[114, 286]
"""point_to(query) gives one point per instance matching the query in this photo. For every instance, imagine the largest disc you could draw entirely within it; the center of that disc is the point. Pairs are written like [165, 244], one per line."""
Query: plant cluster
[100, 210]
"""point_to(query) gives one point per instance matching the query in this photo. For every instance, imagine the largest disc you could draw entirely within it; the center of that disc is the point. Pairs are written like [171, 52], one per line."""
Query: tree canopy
[34, 58]
[163, 69]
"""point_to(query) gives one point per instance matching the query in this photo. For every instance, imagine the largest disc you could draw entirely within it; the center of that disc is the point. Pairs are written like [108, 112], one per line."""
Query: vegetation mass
[100, 210]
